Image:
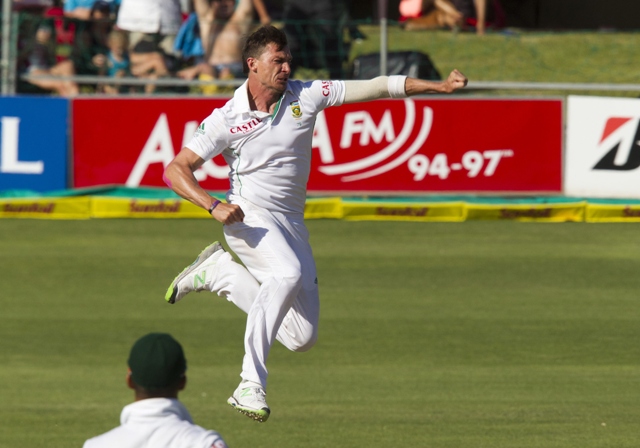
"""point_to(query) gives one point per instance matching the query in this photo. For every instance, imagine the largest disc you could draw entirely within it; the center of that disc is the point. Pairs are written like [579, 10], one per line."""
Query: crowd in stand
[175, 39]
[150, 39]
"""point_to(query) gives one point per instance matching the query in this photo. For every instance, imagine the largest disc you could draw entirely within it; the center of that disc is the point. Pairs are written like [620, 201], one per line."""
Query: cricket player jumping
[264, 133]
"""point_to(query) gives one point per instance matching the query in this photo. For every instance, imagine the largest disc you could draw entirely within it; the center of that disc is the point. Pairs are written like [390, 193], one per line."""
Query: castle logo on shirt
[246, 127]
[296, 110]
[326, 88]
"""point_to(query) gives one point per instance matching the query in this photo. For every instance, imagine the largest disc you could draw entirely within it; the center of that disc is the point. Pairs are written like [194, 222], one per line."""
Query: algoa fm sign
[603, 147]
[411, 145]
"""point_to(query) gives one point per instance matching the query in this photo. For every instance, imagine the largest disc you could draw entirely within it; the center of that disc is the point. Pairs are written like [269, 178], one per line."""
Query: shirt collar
[152, 409]
[241, 98]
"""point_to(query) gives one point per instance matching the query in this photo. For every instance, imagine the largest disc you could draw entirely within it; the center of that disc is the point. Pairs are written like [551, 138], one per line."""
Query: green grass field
[477, 334]
[522, 56]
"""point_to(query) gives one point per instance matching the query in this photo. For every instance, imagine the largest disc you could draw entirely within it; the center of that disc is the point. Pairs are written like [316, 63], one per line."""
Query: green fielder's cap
[157, 360]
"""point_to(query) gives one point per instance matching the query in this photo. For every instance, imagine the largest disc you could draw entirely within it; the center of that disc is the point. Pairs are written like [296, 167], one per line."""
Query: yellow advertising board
[86, 207]
[527, 212]
[612, 213]
[108, 207]
[46, 208]
[437, 211]
[319, 208]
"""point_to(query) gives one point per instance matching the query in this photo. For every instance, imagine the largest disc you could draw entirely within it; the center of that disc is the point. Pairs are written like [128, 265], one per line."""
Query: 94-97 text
[472, 162]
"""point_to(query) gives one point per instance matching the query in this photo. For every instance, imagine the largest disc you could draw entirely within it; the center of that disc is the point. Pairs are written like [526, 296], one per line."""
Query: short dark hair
[258, 41]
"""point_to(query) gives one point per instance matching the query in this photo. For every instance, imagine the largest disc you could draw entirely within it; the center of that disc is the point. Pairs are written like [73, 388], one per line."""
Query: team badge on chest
[296, 110]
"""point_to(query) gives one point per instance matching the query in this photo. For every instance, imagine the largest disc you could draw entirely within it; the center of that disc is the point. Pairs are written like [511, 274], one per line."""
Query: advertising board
[129, 141]
[410, 146]
[603, 147]
[33, 143]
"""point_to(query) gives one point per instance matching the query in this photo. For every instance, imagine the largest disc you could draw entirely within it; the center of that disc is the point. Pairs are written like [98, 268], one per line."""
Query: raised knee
[306, 344]
[292, 280]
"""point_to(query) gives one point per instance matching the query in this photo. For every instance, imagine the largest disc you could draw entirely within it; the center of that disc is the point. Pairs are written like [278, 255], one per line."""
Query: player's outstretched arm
[178, 175]
[454, 81]
[399, 87]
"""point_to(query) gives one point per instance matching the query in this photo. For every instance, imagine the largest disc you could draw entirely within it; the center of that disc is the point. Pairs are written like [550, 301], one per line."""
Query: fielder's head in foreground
[265, 133]
[157, 373]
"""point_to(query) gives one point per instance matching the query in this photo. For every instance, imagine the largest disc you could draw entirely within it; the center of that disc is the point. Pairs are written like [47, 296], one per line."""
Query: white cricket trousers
[279, 288]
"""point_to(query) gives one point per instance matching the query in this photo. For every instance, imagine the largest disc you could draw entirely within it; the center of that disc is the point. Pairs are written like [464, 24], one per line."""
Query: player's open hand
[455, 81]
[228, 213]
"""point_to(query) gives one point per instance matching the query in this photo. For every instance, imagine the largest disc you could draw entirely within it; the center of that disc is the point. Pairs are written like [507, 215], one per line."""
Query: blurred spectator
[91, 40]
[64, 32]
[222, 25]
[315, 31]
[81, 9]
[87, 42]
[473, 9]
[32, 6]
[430, 14]
[262, 11]
[152, 26]
[116, 62]
[452, 14]
[188, 43]
[480, 14]
[41, 60]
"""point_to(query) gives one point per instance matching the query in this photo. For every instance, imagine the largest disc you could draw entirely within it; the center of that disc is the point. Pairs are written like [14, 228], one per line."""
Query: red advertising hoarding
[400, 146]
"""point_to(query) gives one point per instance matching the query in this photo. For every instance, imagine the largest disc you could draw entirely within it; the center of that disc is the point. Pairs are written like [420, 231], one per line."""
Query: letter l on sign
[9, 162]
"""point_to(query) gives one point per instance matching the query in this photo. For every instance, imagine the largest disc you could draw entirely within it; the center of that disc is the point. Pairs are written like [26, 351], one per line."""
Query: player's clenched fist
[228, 213]
[455, 81]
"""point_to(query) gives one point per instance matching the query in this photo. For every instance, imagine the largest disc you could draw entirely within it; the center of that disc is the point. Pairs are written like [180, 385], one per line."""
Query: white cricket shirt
[269, 154]
[157, 423]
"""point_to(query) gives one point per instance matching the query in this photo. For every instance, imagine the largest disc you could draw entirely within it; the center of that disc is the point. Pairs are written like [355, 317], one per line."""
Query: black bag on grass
[410, 63]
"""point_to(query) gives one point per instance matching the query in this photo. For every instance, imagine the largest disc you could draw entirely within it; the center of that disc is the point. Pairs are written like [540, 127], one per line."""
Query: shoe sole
[259, 415]
[172, 291]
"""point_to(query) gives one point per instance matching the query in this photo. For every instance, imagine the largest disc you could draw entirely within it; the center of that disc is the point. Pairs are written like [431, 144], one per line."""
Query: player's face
[273, 68]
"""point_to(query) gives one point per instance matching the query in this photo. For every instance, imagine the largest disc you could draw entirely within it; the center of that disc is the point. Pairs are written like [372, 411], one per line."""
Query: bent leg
[232, 281]
[299, 329]
[268, 245]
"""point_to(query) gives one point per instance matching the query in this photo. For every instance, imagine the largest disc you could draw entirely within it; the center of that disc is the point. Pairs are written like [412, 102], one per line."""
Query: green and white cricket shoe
[194, 276]
[250, 399]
